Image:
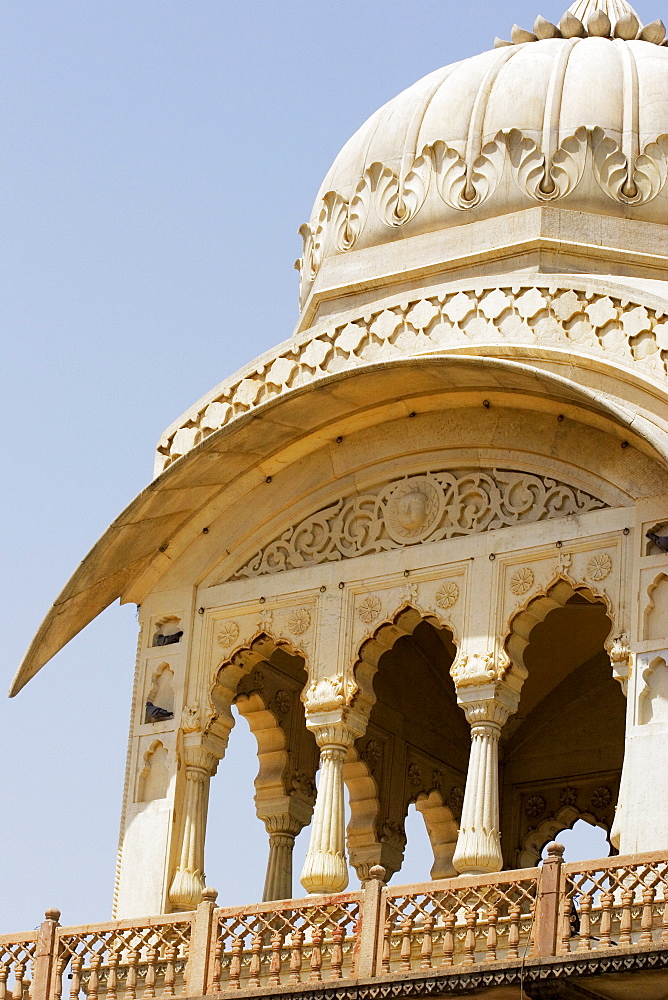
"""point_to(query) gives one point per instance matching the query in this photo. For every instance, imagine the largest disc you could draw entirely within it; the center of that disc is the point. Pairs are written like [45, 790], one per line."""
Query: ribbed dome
[578, 120]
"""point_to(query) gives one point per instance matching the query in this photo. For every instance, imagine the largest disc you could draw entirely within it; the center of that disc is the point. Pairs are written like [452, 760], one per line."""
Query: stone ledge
[476, 977]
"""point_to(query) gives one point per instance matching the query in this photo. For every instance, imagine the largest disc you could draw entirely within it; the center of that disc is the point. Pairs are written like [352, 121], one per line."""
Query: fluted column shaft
[479, 841]
[282, 828]
[325, 869]
[188, 882]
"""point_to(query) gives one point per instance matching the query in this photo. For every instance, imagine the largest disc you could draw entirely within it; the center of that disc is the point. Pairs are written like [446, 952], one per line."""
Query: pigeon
[167, 640]
[660, 540]
[156, 714]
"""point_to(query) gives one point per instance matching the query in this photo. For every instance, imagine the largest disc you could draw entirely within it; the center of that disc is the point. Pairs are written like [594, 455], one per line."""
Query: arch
[564, 819]
[539, 606]
[261, 679]
[655, 617]
[167, 630]
[402, 623]
[442, 829]
[382, 781]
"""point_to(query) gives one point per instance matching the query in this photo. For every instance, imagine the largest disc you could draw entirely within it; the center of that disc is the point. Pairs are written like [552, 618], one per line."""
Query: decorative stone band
[386, 198]
[423, 508]
[624, 331]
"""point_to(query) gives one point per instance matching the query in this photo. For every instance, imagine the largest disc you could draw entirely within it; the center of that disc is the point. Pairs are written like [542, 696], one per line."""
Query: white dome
[582, 121]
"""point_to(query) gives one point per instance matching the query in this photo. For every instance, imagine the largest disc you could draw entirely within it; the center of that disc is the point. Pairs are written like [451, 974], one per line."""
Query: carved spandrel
[415, 509]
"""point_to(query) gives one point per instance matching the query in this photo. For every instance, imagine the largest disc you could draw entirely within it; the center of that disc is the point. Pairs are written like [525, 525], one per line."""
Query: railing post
[45, 956]
[372, 921]
[547, 904]
[197, 969]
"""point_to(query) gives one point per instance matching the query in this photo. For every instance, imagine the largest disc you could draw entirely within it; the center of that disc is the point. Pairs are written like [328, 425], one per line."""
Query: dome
[575, 114]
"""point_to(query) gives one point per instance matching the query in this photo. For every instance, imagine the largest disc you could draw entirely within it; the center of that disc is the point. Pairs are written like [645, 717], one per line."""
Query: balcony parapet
[535, 927]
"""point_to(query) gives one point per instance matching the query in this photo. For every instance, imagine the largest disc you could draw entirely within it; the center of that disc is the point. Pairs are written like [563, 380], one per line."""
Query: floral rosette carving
[228, 633]
[369, 609]
[299, 621]
[601, 798]
[534, 807]
[447, 594]
[521, 581]
[599, 566]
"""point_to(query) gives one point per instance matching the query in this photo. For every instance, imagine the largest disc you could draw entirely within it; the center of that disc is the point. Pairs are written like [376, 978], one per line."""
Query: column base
[478, 853]
[324, 872]
[186, 889]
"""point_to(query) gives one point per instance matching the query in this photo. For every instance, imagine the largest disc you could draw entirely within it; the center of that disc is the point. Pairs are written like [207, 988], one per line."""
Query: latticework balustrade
[614, 903]
[451, 929]
[17, 954]
[464, 922]
[123, 960]
[286, 943]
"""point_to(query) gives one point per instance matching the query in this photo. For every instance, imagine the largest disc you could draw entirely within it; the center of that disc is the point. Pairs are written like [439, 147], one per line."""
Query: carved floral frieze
[628, 331]
[421, 508]
[383, 195]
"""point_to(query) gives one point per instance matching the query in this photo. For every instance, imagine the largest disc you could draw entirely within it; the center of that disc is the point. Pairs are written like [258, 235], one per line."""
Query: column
[325, 869]
[282, 830]
[188, 882]
[479, 842]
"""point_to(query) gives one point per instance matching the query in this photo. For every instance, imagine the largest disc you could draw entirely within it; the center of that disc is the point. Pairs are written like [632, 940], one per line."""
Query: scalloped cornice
[554, 314]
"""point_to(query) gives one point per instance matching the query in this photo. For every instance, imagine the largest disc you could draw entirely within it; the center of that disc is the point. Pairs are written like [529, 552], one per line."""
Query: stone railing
[510, 927]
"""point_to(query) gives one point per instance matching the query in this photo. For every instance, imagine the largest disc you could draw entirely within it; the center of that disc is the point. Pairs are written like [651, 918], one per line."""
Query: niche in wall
[154, 777]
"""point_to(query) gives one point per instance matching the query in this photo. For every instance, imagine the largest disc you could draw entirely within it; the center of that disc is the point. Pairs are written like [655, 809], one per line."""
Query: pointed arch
[382, 779]
[538, 607]
[564, 819]
[264, 680]
[402, 623]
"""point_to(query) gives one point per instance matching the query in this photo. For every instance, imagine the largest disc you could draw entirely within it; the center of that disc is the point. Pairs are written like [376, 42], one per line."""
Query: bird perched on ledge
[660, 540]
[155, 714]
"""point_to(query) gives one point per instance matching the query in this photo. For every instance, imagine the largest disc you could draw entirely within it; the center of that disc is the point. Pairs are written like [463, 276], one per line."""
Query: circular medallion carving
[227, 634]
[413, 509]
[414, 775]
[447, 594]
[534, 807]
[601, 798]
[369, 609]
[599, 566]
[521, 581]
[299, 621]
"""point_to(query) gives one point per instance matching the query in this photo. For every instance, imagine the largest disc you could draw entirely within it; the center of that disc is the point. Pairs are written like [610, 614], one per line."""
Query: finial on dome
[593, 18]
[613, 9]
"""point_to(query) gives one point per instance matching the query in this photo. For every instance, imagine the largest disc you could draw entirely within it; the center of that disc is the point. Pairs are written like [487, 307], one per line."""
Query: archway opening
[415, 750]
[582, 841]
[561, 754]
[265, 784]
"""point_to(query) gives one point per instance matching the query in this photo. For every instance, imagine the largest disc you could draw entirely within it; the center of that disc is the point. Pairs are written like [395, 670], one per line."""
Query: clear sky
[156, 160]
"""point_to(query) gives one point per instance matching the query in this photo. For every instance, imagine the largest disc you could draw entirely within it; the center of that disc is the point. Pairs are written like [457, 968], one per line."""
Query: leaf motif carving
[451, 174]
[633, 187]
[542, 181]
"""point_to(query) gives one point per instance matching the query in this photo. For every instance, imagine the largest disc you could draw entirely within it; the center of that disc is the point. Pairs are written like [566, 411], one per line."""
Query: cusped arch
[564, 819]
[239, 681]
[367, 844]
[655, 614]
[401, 623]
[539, 606]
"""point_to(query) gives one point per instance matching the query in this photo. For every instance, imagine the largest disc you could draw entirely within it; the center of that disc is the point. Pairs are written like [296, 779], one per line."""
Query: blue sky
[157, 158]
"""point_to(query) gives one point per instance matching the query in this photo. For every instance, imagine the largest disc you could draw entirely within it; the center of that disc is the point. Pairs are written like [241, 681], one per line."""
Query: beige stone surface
[409, 544]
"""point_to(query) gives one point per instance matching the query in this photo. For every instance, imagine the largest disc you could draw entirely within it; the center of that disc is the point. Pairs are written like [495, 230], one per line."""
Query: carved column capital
[200, 758]
[336, 729]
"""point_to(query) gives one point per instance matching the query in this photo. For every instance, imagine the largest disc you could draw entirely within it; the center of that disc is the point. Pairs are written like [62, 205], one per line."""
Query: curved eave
[170, 513]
